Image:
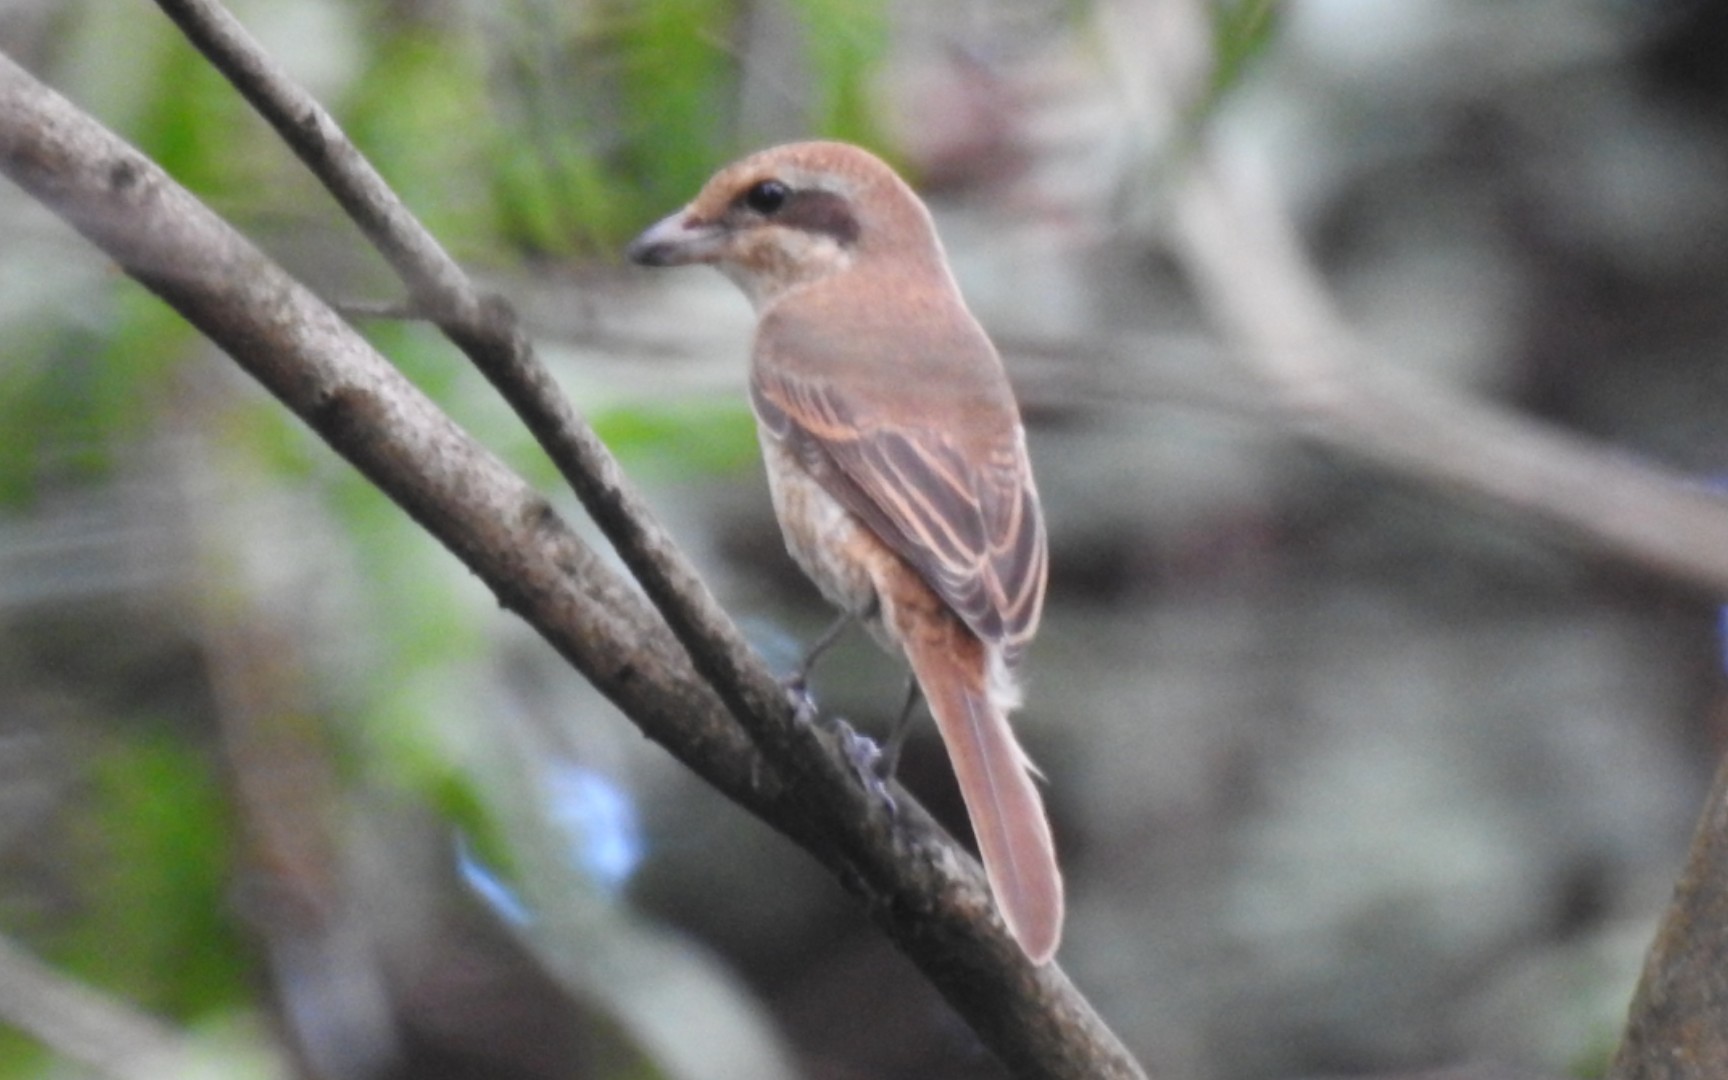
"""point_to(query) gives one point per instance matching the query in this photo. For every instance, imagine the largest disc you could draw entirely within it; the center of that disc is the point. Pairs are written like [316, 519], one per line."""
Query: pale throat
[784, 262]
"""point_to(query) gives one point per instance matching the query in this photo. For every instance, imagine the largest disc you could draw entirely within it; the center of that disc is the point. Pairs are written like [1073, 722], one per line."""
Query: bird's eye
[767, 197]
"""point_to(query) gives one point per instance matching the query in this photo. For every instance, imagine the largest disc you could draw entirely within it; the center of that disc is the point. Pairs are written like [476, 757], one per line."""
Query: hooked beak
[675, 241]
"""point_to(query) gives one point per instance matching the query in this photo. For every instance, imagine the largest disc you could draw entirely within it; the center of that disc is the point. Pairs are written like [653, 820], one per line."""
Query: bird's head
[792, 215]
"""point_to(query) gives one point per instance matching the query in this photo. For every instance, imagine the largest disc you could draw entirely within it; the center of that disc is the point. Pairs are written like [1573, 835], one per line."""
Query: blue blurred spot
[489, 887]
[600, 821]
[1722, 634]
[597, 819]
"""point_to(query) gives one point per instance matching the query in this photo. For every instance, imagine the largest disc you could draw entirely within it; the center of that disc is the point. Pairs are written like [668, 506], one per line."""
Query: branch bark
[1679, 1019]
[920, 887]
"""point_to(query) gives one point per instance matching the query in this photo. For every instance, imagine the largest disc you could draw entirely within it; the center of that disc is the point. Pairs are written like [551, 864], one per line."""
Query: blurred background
[1350, 775]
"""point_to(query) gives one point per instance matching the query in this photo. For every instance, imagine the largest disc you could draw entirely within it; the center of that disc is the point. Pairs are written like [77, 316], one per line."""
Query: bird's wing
[972, 528]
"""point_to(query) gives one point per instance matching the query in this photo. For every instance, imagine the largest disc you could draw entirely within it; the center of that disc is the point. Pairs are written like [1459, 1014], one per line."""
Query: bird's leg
[875, 764]
[821, 645]
[890, 757]
[797, 684]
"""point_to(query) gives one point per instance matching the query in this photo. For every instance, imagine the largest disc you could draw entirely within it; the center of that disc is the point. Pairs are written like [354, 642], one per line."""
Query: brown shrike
[896, 460]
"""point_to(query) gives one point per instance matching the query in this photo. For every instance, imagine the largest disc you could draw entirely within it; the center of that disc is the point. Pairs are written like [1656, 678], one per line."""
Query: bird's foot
[873, 768]
[798, 693]
[865, 757]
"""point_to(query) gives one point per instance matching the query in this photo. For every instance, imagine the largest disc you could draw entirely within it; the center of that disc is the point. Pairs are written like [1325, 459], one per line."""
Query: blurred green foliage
[48, 410]
[1241, 32]
[75, 393]
[597, 117]
[412, 108]
[195, 126]
[152, 843]
[692, 436]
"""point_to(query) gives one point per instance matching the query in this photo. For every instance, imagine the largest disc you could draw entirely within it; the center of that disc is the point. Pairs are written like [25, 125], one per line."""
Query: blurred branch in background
[1245, 258]
[88, 1027]
[293, 891]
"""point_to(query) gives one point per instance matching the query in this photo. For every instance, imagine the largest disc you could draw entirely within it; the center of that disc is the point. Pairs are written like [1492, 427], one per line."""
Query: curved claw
[865, 757]
[798, 693]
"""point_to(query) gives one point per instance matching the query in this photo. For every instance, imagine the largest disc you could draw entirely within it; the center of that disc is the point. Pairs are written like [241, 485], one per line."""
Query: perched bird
[896, 461]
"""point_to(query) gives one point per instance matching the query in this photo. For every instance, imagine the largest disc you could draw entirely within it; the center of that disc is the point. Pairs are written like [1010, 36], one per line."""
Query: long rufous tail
[996, 782]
